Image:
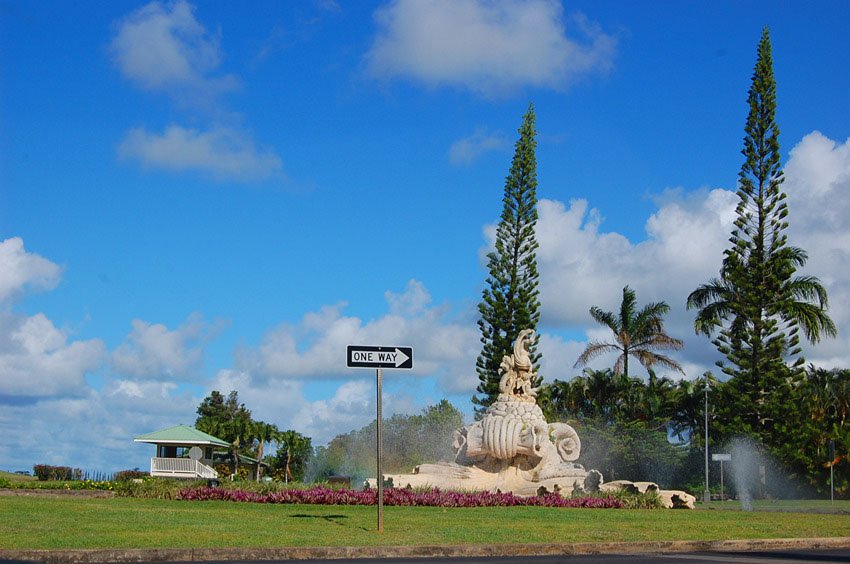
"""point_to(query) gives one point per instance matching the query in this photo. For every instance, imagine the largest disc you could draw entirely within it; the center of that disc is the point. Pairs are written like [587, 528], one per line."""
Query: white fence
[181, 468]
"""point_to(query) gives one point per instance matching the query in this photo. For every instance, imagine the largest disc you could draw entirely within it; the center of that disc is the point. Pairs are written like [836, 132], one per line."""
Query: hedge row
[45, 472]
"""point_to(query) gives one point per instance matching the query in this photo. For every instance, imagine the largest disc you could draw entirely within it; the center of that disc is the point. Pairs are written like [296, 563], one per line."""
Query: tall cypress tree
[758, 304]
[510, 299]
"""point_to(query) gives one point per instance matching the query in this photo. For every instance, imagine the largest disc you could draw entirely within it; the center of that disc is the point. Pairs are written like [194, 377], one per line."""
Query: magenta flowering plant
[320, 495]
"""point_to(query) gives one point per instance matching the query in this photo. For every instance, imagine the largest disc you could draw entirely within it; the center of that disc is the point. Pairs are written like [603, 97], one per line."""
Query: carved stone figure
[516, 370]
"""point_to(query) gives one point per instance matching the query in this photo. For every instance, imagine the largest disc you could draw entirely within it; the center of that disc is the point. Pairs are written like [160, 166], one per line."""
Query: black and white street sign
[360, 356]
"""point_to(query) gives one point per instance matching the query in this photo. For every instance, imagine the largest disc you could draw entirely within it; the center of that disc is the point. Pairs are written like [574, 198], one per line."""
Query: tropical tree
[510, 299]
[639, 334]
[757, 306]
[294, 450]
[263, 433]
[227, 419]
[824, 399]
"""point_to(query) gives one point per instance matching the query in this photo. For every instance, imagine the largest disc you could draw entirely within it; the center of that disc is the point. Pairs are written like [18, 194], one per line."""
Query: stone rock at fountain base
[671, 499]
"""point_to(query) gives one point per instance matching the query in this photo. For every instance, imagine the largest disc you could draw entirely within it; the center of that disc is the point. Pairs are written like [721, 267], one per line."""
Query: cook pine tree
[510, 301]
[758, 306]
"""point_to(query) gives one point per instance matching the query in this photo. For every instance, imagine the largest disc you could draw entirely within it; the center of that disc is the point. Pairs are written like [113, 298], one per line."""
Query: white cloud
[817, 181]
[38, 361]
[491, 48]
[163, 48]
[351, 407]
[559, 355]
[413, 301]
[315, 348]
[151, 350]
[581, 266]
[222, 153]
[20, 270]
[465, 151]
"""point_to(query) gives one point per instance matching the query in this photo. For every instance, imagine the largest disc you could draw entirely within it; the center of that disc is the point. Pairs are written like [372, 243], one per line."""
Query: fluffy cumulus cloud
[37, 359]
[22, 270]
[152, 351]
[466, 150]
[817, 181]
[315, 347]
[487, 47]
[352, 406]
[222, 153]
[163, 48]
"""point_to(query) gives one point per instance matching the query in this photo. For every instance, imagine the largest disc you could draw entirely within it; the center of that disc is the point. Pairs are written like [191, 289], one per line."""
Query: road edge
[86, 556]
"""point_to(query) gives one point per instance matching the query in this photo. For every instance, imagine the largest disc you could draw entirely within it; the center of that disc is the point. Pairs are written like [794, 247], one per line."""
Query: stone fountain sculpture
[512, 448]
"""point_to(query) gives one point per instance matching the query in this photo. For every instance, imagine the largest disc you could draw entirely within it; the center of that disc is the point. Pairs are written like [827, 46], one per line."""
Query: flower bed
[320, 495]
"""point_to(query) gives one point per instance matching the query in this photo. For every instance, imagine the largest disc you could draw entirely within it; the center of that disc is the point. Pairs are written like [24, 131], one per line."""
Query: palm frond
[593, 350]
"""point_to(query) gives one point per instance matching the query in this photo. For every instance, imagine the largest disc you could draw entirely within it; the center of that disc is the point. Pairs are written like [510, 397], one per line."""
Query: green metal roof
[181, 435]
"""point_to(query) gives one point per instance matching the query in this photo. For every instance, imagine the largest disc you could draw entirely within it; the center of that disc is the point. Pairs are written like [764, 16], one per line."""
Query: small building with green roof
[183, 452]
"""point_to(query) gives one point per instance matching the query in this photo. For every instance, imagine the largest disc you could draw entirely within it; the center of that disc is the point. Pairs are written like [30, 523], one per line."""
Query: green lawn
[800, 505]
[32, 522]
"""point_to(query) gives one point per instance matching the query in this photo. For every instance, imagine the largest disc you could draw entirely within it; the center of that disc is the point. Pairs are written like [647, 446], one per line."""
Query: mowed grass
[33, 522]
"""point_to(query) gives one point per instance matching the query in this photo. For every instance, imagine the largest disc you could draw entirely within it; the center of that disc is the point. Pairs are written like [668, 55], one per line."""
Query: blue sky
[206, 196]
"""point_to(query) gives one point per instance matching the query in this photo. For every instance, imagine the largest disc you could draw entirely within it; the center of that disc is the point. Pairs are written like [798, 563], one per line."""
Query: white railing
[181, 467]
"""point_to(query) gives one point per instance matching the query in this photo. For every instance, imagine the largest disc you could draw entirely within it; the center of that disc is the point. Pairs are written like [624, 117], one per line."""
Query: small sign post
[362, 356]
[831, 452]
[722, 457]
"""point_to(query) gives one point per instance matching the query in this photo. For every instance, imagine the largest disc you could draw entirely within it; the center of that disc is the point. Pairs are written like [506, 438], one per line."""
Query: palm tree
[636, 333]
[296, 446]
[263, 433]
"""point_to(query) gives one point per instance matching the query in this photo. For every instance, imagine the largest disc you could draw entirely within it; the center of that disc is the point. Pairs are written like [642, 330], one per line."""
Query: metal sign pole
[721, 481]
[380, 473]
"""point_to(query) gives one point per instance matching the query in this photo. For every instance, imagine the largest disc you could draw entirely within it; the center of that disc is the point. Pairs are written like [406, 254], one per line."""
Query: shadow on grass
[335, 519]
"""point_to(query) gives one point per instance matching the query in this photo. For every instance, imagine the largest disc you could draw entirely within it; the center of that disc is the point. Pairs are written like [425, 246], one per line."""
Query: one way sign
[359, 356]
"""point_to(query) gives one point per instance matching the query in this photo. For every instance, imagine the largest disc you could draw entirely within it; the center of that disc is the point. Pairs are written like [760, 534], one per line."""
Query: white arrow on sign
[401, 358]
